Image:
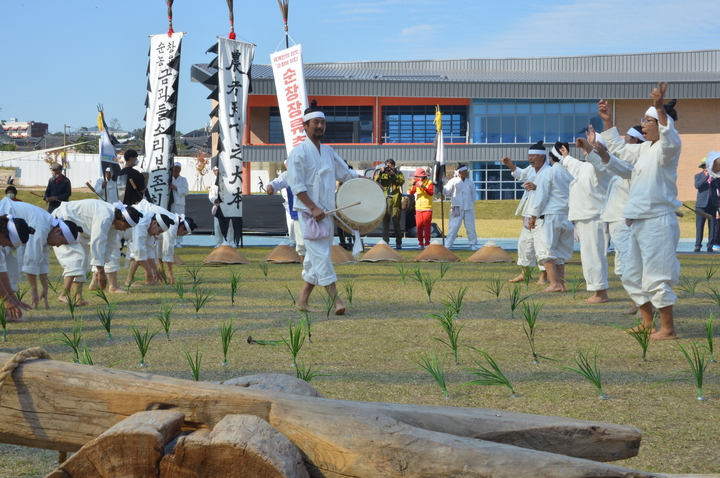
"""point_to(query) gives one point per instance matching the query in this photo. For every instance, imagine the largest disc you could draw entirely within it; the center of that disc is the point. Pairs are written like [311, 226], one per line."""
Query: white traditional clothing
[34, 257]
[296, 240]
[178, 204]
[526, 241]
[109, 193]
[315, 172]
[95, 218]
[142, 245]
[553, 240]
[165, 242]
[652, 268]
[462, 209]
[588, 193]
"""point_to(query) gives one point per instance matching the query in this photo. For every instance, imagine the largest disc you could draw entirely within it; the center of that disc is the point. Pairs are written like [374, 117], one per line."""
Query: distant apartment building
[24, 129]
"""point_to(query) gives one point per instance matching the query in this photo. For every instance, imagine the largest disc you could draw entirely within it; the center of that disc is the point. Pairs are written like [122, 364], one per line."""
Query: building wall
[259, 125]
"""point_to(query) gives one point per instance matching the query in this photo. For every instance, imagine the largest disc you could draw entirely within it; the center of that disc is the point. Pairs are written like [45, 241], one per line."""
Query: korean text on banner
[291, 93]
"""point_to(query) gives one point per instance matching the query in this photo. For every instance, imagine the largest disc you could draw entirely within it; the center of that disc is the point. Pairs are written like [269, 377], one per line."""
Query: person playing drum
[313, 169]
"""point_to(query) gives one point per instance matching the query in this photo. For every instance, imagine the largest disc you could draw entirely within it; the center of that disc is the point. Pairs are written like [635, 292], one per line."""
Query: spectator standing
[58, 189]
[706, 201]
[423, 188]
[391, 180]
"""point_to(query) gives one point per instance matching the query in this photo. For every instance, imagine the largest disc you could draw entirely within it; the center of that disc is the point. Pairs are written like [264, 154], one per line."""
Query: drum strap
[357, 243]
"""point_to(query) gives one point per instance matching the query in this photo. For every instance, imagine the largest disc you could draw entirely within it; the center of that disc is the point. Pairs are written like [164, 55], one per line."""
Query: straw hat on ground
[177, 260]
[225, 255]
[490, 252]
[436, 253]
[381, 252]
[339, 255]
[283, 254]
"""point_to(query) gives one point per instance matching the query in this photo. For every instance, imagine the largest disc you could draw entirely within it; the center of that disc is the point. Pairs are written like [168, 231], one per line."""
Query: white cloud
[422, 29]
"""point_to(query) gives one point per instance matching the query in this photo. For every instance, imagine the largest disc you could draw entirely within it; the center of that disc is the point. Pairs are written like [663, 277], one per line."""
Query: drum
[366, 216]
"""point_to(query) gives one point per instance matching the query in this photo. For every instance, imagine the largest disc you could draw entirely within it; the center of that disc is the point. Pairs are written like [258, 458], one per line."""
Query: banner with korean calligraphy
[291, 93]
[161, 114]
[233, 64]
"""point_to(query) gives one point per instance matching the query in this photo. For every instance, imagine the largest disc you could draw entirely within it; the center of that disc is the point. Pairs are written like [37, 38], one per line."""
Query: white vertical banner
[289, 77]
[161, 114]
[234, 61]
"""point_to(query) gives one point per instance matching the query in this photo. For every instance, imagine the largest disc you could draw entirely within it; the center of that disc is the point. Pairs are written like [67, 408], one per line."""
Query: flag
[289, 77]
[106, 148]
[439, 143]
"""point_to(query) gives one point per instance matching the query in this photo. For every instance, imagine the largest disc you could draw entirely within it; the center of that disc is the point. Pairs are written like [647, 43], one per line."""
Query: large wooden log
[58, 405]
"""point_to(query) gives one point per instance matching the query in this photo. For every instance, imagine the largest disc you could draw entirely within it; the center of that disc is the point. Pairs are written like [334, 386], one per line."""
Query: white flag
[291, 93]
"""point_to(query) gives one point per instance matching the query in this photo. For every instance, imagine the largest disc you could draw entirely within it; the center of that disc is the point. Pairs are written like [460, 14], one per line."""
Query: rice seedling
[454, 301]
[330, 302]
[234, 283]
[3, 319]
[489, 376]
[165, 318]
[495, 286]
[72, 341]
[129, 283]
[444, 267]
[307, 373]
[427, 282]
[196, 363]
[435, 366]
[530, 314]
[251, 340]
[199, 299]
[642, 335]
[714, 294]
[588, 370]
[265, 268]
[295, 339]
[709, 272]
[179, 287]
[22, 291]
[226, 334]
[527, 276]
[689, 285]
[292, 297]
[305, 316]
[195, 276]
[698, 363]
[56, 286]
[106, 317]
[403, 270]
[709, 330]
[576, 284]
[88, 276]
[85, 357]
[349, 286]
[451, 328]
[516, 299]
[72, 303]
[142, 340]
[102, 295]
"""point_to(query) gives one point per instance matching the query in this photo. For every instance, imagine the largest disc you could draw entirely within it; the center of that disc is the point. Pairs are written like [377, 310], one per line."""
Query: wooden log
[132, 448]
[61, 406]
[240, 445]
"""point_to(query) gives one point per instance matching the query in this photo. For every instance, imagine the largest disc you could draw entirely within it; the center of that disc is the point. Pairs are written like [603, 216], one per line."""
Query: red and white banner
[161, 103]
[291, 93]
[233, 65]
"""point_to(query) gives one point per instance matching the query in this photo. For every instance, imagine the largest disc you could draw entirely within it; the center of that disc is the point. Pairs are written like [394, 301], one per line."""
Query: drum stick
[699, 213]
[36, 194]
[92, 189]
[132, 183]
[344, 207]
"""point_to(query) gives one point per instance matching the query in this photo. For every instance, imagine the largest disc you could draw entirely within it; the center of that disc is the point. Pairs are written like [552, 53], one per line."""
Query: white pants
[620, 235]
[652, 268]
[526, 247]
[466, 216]
[178, 209]
[296, 234]
[218, 234]
[317, 266]
[593, 253]
[554, 239]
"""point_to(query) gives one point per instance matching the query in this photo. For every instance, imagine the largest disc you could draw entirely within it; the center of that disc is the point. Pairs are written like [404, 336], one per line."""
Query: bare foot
[117, 290]
[552, 288]
[339, 308]
[599, 298]
[517, 279]
[63, 298]
[543, 278]
[134, 284]
[663, 334]
[632, 310]
[304, 307]
[82, 303]
[93, 286]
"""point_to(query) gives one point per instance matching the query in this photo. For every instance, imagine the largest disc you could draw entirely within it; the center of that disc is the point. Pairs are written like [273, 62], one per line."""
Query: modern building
[491, 108]
[24, 129]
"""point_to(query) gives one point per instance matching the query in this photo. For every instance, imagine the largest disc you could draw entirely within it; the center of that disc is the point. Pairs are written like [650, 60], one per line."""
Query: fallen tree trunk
[62, 406]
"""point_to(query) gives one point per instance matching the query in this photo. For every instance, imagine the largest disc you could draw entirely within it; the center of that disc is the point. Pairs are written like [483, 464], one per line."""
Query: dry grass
[370, 353]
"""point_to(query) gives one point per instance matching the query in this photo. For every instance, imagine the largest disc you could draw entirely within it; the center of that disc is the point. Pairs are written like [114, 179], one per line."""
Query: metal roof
[694, 74]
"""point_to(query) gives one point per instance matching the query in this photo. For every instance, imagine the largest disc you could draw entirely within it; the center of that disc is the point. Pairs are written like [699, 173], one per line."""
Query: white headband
[313, 114]
[710, 161]
[556, 153]
[58, 222]
[161, 222]
[635, 134]
[464, 168]
[123, 209]
[538, 151]
[652, 111]
[12, 232]
[178, 165]
[181, 217]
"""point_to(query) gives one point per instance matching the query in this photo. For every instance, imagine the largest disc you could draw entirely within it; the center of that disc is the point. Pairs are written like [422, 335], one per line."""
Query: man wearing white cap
[178, 190]
[291, 216]
[553, 232]
[313, 169]
[588, 192]
[106, 188]
[462, 207]
[652, 267]
[537, 156]
[100, 223]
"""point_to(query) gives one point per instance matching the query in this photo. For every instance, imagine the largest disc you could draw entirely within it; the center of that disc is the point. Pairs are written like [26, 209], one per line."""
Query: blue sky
[60, 59]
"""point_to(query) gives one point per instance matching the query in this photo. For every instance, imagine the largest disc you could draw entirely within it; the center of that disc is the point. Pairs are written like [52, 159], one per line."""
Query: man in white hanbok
[106, 188]
[313, 169]
[179, 189]
[291, 216]
[165, 243]
[461, 191]
[652, 268]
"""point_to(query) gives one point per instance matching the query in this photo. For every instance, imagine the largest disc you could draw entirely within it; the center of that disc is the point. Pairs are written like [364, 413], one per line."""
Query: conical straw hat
[490, 252]
[436, 253]
[177, 260]
[382, 252]
[225, 255]
[283, 254]
[340, 256]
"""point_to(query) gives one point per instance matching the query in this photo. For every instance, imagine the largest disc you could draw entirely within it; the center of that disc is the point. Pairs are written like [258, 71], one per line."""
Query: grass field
[371, 352]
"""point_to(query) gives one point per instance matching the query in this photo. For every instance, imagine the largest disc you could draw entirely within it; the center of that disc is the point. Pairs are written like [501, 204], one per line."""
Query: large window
[529, 121]
[414, 124]
[493, 180]
[345, 124]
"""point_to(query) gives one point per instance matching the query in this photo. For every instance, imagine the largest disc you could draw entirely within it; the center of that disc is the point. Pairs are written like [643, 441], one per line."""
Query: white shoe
[473, 248]
[226, 243]
[179, 246]
[421, 248]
